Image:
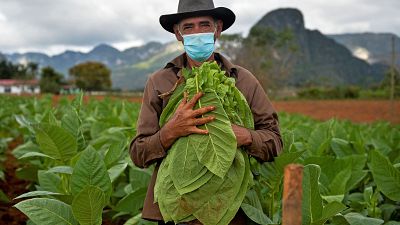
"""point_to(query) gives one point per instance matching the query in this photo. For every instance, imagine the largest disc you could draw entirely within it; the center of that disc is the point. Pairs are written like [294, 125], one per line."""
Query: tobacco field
[71, 160]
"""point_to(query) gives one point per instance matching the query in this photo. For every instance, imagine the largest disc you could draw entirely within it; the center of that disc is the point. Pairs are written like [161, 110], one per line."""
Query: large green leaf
[88, 204]
[23, 121]
[338, 184]
[217, 149]
[358, 219]
[49, 181]
[329, 211]
[37, 193]
[339, 220]
[187, 173]
[114, 153]
[252, 207]
[386, 176]
[203, 203]
[245, 185]
[71, 122]
[356, 177]
[139, 178]
[331, 166]
[255, 214]
[132, 202]
[61, 169]
[133, 220]
[164, 186]
[115, 171]
[319, 139]
[286, 158]
[34, 154]
[312, 201]
[45, 211]
[27, 147]
[90, 170]
[227, 200]
[341, 147]
[56, 142]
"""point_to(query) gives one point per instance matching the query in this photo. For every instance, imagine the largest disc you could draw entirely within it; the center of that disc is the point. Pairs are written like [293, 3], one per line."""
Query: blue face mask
[199, 47]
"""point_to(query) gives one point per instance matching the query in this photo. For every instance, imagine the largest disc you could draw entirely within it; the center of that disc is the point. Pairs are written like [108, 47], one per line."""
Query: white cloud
[3, 18]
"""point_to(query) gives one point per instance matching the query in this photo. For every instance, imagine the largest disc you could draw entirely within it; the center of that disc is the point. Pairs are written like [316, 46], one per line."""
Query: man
[198, 24]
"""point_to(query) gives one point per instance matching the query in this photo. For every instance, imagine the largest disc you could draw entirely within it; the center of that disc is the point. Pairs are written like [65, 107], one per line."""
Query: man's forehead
[197, 19]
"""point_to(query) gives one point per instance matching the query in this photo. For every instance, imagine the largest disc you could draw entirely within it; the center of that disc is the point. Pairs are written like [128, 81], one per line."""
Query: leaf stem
[197, 89]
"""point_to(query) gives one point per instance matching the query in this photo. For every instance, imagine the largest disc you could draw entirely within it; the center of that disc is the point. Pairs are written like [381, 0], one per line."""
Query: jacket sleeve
[267, 142]
[266, 137]
[146, 148]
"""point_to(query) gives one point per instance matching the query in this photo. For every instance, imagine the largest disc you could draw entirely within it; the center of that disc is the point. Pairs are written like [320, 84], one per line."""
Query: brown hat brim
[226, 15]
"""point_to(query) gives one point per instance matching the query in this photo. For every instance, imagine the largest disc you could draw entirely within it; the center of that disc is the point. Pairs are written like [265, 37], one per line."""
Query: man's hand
[243, 136]
[185, 121]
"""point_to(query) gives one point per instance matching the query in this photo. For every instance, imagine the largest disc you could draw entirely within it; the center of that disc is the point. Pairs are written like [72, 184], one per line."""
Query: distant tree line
[88, 76]
[267, 53]
[9, 70]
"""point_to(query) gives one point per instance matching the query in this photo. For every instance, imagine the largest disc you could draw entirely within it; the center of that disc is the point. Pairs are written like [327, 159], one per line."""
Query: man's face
[201, 24]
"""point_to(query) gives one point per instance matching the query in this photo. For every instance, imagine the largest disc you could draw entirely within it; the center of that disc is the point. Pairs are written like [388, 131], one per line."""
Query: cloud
[51, 26]
[3, 18]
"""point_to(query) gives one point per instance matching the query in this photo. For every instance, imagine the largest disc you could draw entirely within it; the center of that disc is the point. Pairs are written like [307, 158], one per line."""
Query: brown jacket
[146, 148]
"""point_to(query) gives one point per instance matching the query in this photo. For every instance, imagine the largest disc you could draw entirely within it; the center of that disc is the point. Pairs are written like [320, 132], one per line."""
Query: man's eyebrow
[201, 22]
[187, 24]
[205, 22]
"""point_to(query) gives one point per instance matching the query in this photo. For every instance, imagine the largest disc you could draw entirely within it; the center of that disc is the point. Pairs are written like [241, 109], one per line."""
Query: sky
[52, 26]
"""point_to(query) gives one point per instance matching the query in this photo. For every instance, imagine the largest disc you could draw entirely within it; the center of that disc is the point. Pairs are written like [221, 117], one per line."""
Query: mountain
[372, 47]
[320, 59]
[125, 75]
[134, 76]
[39, 58]
[2, 57]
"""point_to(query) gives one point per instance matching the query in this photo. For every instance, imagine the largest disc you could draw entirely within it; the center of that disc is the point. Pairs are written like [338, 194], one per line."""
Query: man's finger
[196, 130]
[185, 97]
[184, 100]
[193, 101]
[203, 110]
[201, 121]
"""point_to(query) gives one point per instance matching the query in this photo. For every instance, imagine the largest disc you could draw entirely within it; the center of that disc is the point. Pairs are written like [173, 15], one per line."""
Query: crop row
[75, 155]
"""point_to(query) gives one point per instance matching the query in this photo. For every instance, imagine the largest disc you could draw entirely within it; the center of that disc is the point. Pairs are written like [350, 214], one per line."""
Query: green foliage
[206, 176]
[90, 170]
[351, 170]
[72, 164]
[50, 81]
[350, 92]
[267, 53]
[387, 81]
[386, 176]
[381, 91]
[88, 204]
[91, 76]
[47, 211]
[9, 70]
[55, 141]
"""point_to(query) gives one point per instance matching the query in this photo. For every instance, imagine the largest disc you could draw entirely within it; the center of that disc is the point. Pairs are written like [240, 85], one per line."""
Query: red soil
[12, 187]
[354, 110]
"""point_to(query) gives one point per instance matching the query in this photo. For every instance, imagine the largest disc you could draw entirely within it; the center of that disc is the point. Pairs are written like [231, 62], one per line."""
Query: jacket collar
[180, 62]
